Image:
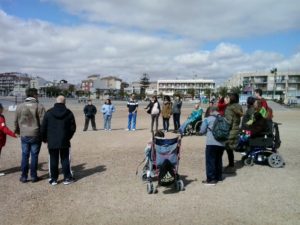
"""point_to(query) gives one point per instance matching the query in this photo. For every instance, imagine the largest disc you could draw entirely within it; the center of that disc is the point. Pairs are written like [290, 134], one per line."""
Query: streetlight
[274, 71]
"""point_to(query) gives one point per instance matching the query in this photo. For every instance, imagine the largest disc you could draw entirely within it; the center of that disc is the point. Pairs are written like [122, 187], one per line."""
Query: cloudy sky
[168, 39]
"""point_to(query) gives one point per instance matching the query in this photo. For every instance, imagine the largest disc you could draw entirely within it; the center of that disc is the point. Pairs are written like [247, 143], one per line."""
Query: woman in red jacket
[4, 130]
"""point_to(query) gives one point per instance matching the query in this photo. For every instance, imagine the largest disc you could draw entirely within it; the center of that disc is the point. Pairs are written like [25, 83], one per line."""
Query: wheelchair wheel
[248, 161]
[188, 130]
[179, 185]
[275, 160]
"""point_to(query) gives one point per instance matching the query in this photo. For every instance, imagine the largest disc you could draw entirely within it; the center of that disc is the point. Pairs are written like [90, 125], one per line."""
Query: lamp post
[274, 71]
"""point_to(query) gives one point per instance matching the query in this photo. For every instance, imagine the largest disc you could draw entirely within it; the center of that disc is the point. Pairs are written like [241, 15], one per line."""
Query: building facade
[276, 85]
[170, 87]
[14, 83]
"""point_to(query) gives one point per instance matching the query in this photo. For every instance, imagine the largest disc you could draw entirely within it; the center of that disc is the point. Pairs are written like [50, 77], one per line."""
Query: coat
[4, 130]
[166, 111]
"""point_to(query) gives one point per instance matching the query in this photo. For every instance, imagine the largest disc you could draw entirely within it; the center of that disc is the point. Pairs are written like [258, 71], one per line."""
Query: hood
[31, 99]
[59, 110]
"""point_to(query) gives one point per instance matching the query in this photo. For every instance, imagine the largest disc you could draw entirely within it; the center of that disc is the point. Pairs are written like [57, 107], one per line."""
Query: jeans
[131, 120]
[87, 121]
[176, 120]
[166, 123]
[30, 146]
[213, 161]
[107, 121]
[230, 155]
[65, 163]
[154, 118]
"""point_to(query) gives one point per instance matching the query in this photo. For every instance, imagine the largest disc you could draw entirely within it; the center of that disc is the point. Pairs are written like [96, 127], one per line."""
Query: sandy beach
[107, 190]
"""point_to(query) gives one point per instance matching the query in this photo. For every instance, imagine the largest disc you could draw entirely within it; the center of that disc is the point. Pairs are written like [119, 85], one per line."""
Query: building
[87, 85]
[14, 83]
[275, 84]
[170, 87]
[135, 87]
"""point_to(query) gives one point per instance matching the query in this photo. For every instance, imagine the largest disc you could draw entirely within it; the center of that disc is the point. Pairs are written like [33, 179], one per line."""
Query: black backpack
[221, 128]
[166, 174]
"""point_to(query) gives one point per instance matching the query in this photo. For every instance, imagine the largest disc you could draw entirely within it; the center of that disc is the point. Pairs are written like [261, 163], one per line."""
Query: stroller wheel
[248, 161]
[275, 160]
[150, 188]
[144, 176]
[179, 185]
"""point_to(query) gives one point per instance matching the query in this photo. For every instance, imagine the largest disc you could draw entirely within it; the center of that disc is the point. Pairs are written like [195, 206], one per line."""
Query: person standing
[57, 130]
[27, 124]
[89, 111]
[153, 108]
[4, 130]
[132, 106]
[166, 112]
[176, 111]
[214, 150]
[107, 110]
[233, 114]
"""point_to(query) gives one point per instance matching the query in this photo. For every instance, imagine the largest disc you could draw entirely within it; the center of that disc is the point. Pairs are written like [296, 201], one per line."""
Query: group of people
[254, 121]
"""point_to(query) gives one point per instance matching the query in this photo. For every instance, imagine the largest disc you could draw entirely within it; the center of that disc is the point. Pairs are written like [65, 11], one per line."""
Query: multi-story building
[87, 85]
[274, 85]
[170, 87]
[14, 83]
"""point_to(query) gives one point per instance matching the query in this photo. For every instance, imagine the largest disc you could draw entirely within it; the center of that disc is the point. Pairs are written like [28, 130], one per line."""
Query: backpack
[166, 174]
[221, 128]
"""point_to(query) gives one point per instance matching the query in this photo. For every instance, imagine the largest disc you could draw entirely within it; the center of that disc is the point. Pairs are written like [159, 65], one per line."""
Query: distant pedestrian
[132, 106]
[4, 130]
[28, 120]
[153, 108]
[176, 112]
[166, 112]
[107, 109]
[214, 150]
[58, 128]
[89, 111]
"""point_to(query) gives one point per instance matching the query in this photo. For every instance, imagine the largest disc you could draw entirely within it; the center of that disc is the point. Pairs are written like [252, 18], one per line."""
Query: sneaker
[69, 180]
[23, 179]
[209, 183]
[133, 129]
[53, 182]
[109, 129]
[127, 129]
[2, 174]
[35, 179]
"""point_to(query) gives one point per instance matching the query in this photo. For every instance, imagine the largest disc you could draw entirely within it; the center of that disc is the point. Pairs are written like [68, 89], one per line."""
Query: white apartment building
[274, 85]
[170, 87]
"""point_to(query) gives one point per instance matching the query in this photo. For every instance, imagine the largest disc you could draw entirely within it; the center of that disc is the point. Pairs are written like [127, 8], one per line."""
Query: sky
[167, 39]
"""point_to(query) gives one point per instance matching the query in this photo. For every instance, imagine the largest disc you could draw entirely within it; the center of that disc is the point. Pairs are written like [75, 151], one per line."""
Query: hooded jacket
[4, 130]
[58, 127]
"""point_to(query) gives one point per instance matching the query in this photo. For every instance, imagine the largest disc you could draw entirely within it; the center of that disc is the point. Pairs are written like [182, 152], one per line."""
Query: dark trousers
[176, 120]
[87, 121]
[166, 123]
[213, 160]
[230, 156]
[154, 118]
[65, 163]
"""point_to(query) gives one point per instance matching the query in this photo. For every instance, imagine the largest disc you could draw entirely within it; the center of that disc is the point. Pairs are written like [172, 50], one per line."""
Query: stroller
[191, 125]
[262, 150]
[162, 162]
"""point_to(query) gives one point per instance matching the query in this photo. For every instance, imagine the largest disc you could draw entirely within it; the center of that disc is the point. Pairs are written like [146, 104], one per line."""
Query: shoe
[84, 130]
[23, 179]
[127, 129]
[2, 174]
[35, 179]
[109, 129]
[94, 129]
[209, 183]
[53, 182]
[69, 180]
[229, 170]
[133, 129]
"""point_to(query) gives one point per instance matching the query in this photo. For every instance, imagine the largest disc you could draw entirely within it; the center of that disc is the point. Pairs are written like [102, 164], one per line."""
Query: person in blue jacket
[107, 109]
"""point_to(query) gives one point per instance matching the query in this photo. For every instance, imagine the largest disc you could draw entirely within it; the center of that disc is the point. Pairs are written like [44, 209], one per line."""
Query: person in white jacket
[107, 109]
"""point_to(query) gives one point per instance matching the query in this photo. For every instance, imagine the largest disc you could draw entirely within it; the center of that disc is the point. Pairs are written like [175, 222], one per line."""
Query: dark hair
[250, 100]
[1, 106]
[31, 92]
[167, 98]
[155, 98]
[109, 102]
[159, 133]
[234, 98]
[259, 91]
[257, 116]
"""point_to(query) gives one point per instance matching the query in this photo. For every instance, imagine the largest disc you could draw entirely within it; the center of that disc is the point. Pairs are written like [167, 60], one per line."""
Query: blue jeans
[131, 120]
[213, 161]
[107, 121]
[30, 146]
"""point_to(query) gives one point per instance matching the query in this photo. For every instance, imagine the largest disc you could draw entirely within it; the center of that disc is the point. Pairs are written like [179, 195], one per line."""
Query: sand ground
[107, 191]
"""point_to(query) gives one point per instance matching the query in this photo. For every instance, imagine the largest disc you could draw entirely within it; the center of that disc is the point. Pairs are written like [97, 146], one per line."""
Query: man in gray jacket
[27, 124]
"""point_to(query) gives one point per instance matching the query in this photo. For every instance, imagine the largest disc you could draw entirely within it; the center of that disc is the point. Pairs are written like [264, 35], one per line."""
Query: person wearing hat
[4, 130]
[89, 111]
[107, 109]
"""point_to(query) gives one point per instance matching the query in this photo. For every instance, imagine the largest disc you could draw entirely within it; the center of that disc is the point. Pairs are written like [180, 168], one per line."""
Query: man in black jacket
[57, 130]
[89, 111]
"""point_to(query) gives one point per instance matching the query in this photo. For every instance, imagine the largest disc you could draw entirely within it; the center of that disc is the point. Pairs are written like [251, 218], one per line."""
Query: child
[4, 130]
[107, 110]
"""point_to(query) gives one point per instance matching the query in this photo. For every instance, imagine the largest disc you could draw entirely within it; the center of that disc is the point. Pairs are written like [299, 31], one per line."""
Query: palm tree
[144, 82]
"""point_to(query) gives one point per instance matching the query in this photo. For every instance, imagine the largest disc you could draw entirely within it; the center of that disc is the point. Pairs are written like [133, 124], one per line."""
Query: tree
[191, 92]
[236, 89]
[223, 91]
[144, 82]
[208, 93]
